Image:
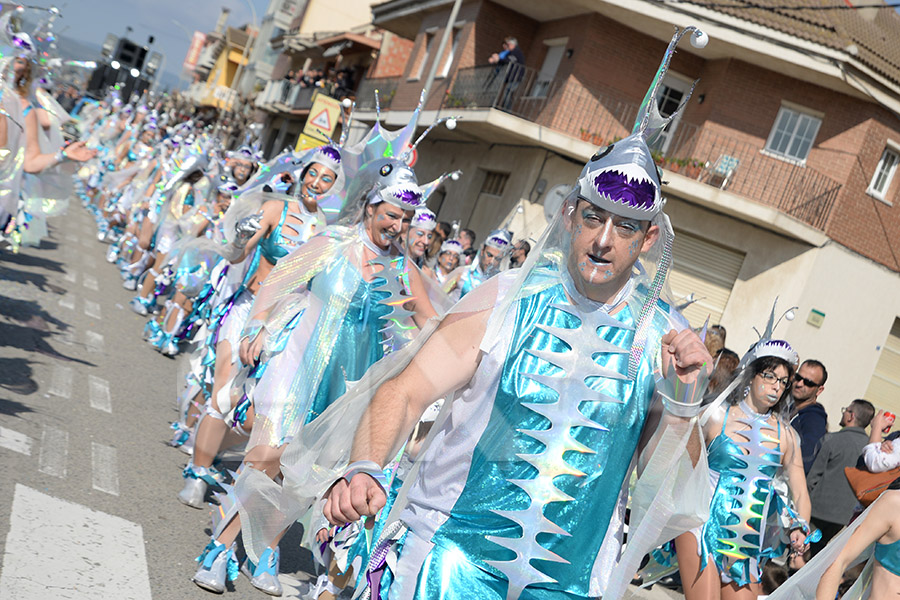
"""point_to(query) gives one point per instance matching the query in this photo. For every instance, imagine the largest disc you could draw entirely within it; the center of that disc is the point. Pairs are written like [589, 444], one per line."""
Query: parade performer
[871, 540]
[486, 265]
[189, 187]
[260, 240]
[19, 127]
[556, 375]
[326, 314]
[751, 444]
[447, 261]
[418, 236]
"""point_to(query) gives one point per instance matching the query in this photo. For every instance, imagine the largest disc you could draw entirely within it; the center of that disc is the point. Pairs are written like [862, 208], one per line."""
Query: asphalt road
[88, 486]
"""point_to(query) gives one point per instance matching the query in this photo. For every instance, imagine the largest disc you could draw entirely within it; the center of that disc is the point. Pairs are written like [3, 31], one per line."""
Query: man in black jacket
[809, 417]
[511, 61]
[833, 500]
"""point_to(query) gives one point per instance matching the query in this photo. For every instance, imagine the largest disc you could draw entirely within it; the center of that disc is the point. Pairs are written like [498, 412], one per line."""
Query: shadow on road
[37, 280]
[16, 376]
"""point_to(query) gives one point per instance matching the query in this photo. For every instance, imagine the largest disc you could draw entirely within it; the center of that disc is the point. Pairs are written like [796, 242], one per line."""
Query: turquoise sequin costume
[888, 556]
[733, 536]
[529, 515]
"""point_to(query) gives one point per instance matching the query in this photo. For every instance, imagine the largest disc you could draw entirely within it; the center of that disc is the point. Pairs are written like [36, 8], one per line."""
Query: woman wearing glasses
[751, 519]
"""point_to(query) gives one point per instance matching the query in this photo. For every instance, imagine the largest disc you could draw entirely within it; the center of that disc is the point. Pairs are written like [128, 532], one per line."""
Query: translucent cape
[12, 157]
[296, 318]
[802, 584]
[669, 497]
[48, 192]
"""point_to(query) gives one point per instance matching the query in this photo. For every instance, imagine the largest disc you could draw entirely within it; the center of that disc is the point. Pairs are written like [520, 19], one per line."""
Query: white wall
[859, 299]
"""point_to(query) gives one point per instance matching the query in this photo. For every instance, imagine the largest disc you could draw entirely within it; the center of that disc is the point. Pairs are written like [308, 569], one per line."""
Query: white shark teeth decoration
[563, 414]
[752, 473]
[394, 330]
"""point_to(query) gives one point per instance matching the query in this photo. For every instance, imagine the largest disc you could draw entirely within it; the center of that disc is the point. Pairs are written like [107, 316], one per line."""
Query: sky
[88, 21]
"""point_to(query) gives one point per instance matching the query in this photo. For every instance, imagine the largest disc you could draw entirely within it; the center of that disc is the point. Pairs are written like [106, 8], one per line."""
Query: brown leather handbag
[867, 485]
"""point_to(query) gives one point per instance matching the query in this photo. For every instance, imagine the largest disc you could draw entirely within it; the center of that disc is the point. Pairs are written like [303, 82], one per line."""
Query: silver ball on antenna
[699, 39]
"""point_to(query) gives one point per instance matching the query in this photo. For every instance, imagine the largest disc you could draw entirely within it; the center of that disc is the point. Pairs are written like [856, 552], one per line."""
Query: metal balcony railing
[705, 153]
[287, 94]
[512, 88]
[365, 93]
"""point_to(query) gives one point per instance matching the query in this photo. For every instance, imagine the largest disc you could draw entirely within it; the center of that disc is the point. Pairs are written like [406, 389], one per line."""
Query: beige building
[780, 173]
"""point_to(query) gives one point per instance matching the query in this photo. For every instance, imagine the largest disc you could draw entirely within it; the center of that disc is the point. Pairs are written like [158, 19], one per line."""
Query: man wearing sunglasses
[809, 417]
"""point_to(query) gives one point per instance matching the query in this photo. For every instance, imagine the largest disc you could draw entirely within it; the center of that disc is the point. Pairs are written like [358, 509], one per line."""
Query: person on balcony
[511, 61]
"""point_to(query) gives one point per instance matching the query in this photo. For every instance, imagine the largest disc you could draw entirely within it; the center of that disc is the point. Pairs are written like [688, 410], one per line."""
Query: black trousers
[828, 529]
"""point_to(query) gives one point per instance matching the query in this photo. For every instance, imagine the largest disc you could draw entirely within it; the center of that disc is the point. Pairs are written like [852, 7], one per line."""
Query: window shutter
[708, 271]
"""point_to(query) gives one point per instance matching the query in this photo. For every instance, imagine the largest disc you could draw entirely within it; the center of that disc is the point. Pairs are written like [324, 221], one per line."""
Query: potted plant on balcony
[584, 134]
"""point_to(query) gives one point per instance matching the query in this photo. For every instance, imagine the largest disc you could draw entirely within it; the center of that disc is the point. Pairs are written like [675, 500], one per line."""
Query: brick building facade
[772, 171]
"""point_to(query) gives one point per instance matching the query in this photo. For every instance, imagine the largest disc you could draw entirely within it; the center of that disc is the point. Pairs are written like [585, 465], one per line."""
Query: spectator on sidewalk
[881, 455]
[519, 254]
[833, 500]
[809, 418]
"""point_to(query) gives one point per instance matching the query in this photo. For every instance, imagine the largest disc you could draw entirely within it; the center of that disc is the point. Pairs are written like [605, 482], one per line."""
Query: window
[556, 48]
[674, 89]
[429, 42]
[494, 183]
[793, 134]
[881, 181]
[445, 70]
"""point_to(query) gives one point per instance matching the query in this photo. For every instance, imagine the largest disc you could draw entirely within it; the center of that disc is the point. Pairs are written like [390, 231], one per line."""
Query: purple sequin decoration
[623, 190]
[410, 197]
[331, 153]
[425, 218]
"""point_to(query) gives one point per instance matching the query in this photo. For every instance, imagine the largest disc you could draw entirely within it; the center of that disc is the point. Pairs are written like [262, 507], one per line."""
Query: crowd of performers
[444, 430]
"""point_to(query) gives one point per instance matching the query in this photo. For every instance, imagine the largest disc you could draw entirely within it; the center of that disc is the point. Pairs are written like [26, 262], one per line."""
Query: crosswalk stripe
[99, 392]
[15, 441]
[71, 276]
[90, 282]
[54, 452]
[94, 341]
[60, 549]
[67, 301]
[105, 473]
[61, 384]
[92, 309]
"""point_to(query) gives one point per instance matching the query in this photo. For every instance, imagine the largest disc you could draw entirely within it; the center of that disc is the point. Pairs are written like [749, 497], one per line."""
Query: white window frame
[802, 112]
[429, 40]
[893, 148]
[454, 44]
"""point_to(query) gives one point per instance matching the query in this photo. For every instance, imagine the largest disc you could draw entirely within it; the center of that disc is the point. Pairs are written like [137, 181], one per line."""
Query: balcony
[285, 96]
[512, 88]
[365, 93]
[710, 154]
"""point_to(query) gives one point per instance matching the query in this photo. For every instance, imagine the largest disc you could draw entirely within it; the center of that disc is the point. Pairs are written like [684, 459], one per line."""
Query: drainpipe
[448, 30]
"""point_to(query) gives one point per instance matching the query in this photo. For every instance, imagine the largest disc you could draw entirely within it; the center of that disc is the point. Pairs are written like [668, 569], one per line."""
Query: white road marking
[54, 452]
[67, 337]
[15, 441]
[67, 301]
[90, 282]
[71, 237]
[94, 341]
[61, 384]
[99, 391]
[88, 260]
[60, 549]
[105, 474]
[71, 276]
[92, 309]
